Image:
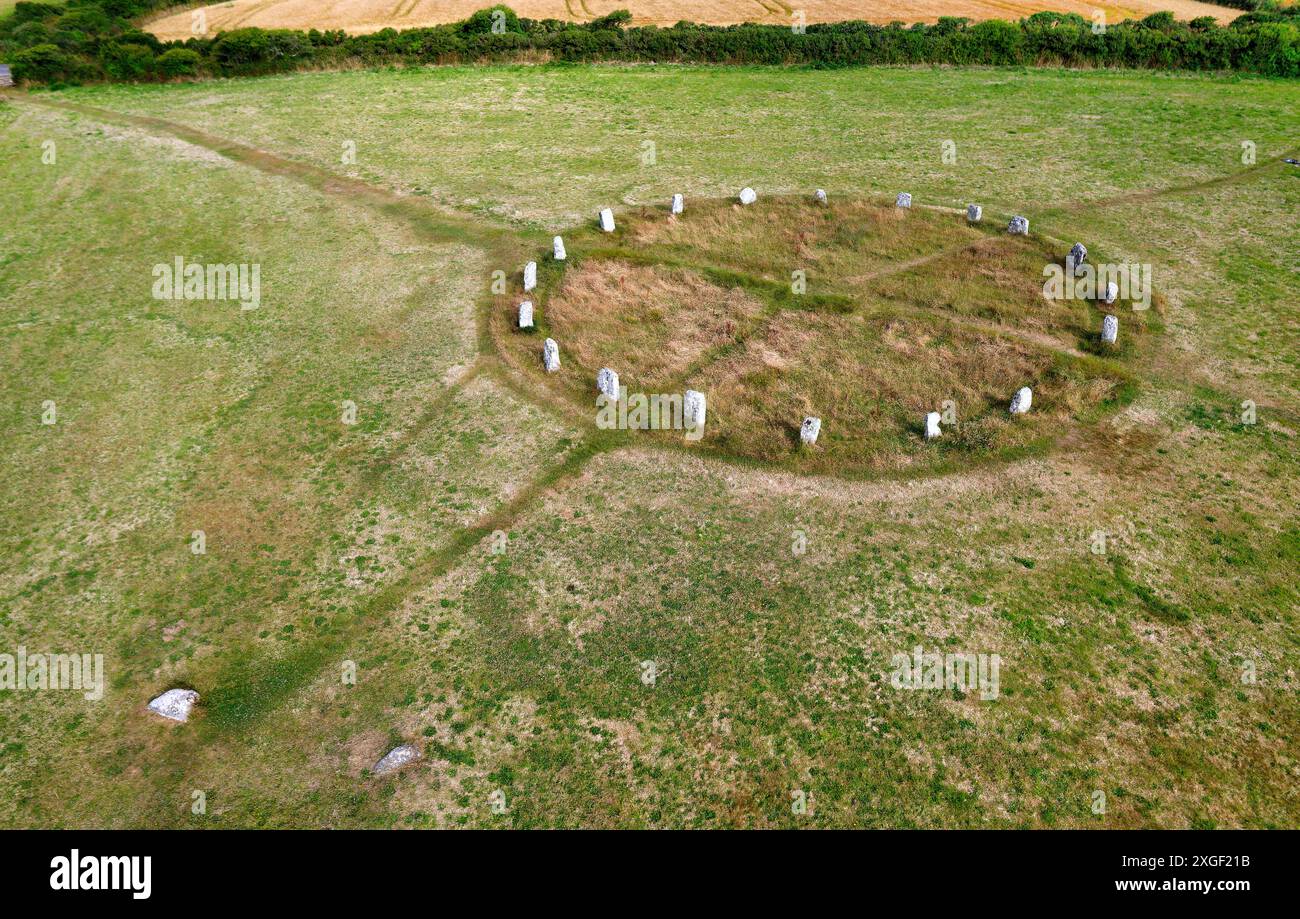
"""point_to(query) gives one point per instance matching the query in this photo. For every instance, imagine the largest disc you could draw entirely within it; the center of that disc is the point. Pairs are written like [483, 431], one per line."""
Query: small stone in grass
[1022, 400]
[1019, 226]
[557, 246]
[526, 314]
[551, 355]
[932, 426]
[748, 195]
[1109, 329]
[175, 704]
[1074, 261]
[679, 204]
[396, 758]
[607, 383]
[974, 213]
[530, 276]
[903, 200]
[694, 409]
[607, 220]
[820, 196]
[809, 430]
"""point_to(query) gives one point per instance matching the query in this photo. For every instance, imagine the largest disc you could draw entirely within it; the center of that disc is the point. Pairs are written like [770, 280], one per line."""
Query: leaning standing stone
[679, 204]
[974, 213]
[558, 246]
[607, 220]
[1019, 226]
[1109, 329]
[809, 430]
[175, 704]
[396, 758]
[530, 276]
[932, 426]
[607, 383]
[820, 196]
[1112, 291]
[694, 408]
[903, 200]
[526, 314]
[1022, 400]
[748, 195]
[1074, 261]
[551, 355]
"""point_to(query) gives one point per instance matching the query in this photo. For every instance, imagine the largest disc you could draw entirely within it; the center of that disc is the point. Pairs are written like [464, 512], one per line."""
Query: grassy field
[362, 16]
[770, 601]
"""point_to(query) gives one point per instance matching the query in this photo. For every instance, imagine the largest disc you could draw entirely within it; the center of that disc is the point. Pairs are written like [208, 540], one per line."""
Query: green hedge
[89, 40]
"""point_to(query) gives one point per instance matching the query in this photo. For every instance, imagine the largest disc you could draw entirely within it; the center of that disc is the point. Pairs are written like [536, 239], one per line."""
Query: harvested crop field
[362, 16]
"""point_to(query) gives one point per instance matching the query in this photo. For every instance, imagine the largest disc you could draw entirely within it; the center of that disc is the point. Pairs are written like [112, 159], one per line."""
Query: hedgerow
[90, 40]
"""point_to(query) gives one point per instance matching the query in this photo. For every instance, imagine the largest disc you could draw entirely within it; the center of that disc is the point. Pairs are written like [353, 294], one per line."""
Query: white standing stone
[974, 213]
[557, 245]
[679, 204]
[607, 220]
[175, 704]
[903, 200]
[1078, 255]
[820, 196]
[1022, 400]
[932, 426]
[551, 355]
[526, 314]
[1112, 292]
[607, 382]
[748, 195]
[396, 758]
[1109, 329]
[809, 430]
[694, 410]
[1019, 226]
[530, 276]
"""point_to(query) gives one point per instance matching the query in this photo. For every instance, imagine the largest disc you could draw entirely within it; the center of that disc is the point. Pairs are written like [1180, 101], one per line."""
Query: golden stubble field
[361, 16]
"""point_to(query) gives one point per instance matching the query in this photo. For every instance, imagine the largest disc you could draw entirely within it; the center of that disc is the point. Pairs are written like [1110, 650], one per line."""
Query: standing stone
[530, 276]
[1019, 226]
[694, 409]
[810, 429]
[607, 220]
[748, 195]
[1074, 261]
[903, 200]
[1022, 400]
[820, 196]
[396, 758]
[551, 355]
[607, 383]
[175, 704]
[1112, 291]
[526, 314]
[679, 204]
[932, 426]
[558, 246]
[1109, 329]
[974, 213]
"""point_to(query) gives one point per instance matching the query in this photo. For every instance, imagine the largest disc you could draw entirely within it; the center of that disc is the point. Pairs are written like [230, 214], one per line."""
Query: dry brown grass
[362, 16]
[651, 323]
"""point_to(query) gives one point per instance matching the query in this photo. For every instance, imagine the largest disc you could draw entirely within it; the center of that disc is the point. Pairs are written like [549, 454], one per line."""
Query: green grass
[772, 601]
